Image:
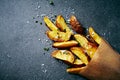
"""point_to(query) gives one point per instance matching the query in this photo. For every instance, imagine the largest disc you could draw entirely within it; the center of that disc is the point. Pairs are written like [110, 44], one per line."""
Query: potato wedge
[76, 26]
[91, 51]
[64, 55]
[78, 63]
[58, 36]
[88, 46]
[82, 41]
[65, 44]
[74, 70]
[49, 24]
[94, 35]
[61, 24]
[79, 52]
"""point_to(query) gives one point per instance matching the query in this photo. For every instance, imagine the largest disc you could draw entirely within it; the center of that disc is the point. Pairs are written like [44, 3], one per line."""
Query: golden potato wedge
[90, 39]
[78, 62]
[58, 36]
[65, 44]
[82, 41]
[74, 70]
[76, 26]
[61, 24]
[64, 55]
[91, 51]
[94, 35]
[88, 46]
[79, 52]
[49, 24]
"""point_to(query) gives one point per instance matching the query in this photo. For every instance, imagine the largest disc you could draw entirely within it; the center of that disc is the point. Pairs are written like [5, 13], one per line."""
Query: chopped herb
[36, 21]
[55, 16]
[46, 49]
[40, 23]
[51, 2]
[65, 52]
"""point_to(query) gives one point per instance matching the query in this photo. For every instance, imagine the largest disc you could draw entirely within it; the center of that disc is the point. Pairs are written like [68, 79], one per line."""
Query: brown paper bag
[105, 64]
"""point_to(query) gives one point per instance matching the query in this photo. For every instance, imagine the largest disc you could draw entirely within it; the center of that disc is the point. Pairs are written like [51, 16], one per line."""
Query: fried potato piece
[91, 51]
[49, 24]
[63, 55]
[74, 70]
[65, 44]
[79, 52]
[78, 63]
[61, 24]
[89, 47]
[82, 41]
[58, 36]
[94, 35]
[76, 26]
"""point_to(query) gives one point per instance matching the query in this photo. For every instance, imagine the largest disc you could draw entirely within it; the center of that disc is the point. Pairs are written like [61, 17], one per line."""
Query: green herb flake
[36, 21]
[51, 2]
[46, 49]
[55, 16]
[40, 23]
[65, 52]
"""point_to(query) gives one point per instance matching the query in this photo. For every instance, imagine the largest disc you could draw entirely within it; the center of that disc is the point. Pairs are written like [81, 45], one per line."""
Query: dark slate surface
[22, 40]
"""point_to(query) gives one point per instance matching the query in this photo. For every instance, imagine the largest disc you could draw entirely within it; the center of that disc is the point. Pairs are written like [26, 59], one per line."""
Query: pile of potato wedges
[74, 46]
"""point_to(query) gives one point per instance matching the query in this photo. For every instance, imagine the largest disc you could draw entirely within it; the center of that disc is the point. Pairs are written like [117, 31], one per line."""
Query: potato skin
[79, 52]
[66, 44]
[76, 26]
[63, 55]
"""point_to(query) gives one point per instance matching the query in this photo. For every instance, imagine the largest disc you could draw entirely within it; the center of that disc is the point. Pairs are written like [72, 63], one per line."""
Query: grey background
[22, 40]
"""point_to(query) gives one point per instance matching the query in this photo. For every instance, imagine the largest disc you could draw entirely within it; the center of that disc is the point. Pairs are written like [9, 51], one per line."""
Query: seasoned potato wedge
[64, 55]
[82, 41]
[94, 35]
[89, 47]
[91, 51]
[61, 24]
[49, 24]
[79, 52]
[74, 70]
[76, 26]
[78, 62]
[65, 44]
[58, 36]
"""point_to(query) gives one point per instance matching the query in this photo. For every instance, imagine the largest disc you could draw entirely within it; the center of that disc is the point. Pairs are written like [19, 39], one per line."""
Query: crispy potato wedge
[82, 41]
[88, 46]
[63, 55]
[61, 24]
[91, 51]
[76, 26]
[90, 39]
[65, 44]
[74, 70]
[49, 24]
[78, 62]
[79, 52]
[94, 35]
[58, 36]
